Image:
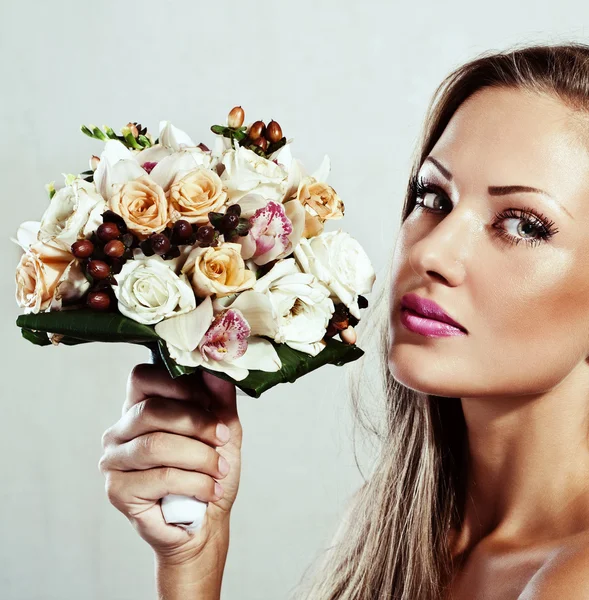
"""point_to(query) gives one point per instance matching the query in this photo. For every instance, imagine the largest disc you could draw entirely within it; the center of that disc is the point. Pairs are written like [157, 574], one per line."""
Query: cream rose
[195, 194]
[218, 270]
[142, 204]
[148, 290]
[321, 202]
[46, 275]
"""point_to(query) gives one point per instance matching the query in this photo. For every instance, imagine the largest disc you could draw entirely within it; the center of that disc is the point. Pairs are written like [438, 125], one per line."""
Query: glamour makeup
[428, 318]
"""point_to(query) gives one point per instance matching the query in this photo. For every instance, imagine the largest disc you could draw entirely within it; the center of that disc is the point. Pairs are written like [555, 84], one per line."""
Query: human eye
[533, 227]
[531, 223]
[421, 189]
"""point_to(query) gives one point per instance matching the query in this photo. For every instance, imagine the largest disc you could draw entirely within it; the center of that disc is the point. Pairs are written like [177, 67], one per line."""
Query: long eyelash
[419, 187]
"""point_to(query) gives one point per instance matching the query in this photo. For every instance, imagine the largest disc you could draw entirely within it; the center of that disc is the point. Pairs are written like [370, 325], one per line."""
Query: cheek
[529, 323]
[533, 326]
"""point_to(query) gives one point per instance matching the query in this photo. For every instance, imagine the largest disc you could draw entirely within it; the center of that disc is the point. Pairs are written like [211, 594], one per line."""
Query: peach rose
[218, 270]
[321, 202]
[47, 274]
[142, 204]
[195, 194]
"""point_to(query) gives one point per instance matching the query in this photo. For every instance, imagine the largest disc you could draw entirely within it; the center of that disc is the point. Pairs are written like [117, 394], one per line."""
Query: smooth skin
[165, 443]
[522, 370]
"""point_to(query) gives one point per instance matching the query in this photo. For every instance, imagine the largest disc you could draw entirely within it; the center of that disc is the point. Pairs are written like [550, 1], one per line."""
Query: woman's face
[518, 283]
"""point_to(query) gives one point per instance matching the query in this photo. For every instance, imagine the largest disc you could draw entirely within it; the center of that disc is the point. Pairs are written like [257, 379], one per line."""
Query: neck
[528, 464]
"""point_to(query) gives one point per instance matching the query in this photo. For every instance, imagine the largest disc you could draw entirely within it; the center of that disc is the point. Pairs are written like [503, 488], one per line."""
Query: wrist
[197, 574]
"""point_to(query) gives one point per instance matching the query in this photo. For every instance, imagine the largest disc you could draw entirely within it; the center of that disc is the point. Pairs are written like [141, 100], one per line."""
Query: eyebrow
[501, 190]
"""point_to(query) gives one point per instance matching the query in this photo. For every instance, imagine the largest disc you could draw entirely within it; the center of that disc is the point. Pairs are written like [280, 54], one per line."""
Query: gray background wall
[348, 79]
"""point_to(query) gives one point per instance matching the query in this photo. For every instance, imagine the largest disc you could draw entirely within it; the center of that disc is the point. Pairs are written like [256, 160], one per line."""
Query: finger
[146, 380]
[223, 394]
[161, 449]
[162, 414]
[127, 488]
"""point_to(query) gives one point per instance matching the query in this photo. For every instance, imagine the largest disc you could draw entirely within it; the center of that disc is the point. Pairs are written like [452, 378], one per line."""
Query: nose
[443, 250]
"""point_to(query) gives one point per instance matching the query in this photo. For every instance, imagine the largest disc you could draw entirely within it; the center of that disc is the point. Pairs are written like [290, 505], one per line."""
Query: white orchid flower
[229, 341]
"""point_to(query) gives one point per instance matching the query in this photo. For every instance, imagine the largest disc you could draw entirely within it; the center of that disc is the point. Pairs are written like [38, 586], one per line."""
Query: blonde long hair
[394, 543]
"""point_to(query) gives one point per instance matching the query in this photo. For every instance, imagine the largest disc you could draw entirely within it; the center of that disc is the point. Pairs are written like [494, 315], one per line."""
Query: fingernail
[223, 466]
[223, 433]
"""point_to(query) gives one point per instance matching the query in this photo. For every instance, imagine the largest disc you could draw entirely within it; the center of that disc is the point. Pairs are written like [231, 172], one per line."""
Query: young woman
[481, 488]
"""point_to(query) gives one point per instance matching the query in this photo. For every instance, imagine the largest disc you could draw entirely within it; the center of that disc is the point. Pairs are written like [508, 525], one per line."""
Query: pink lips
[427, 317]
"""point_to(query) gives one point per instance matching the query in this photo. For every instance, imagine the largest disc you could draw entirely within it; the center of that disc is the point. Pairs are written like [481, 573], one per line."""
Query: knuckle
[106, 438]
[167, 475]
[112, 489]
[137, 373]
[152, 443]
[150, 409]
[102, 464]
[142, 410]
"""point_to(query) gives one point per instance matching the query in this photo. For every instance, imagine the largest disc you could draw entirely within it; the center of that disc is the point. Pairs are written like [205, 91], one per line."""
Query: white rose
[245, 171]
[148, 290]
[73, 213]
[301, 304]
[339, 262]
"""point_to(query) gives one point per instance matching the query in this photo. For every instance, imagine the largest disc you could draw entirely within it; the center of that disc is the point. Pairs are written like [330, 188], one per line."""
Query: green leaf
[50, 187]
[110, 132]
[39, 338]
[295, 364]
[98, 134]
[85, 130]
[79, 326]
[89, 325]
[130, 139]
[144, 141]
[237, 133]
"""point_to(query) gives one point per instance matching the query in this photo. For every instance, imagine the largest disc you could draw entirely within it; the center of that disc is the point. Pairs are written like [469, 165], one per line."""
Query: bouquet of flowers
[215, 259]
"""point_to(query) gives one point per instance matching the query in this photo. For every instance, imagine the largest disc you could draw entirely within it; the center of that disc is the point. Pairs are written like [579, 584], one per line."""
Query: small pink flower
[226, 338]
[148, 166]
[270, 230]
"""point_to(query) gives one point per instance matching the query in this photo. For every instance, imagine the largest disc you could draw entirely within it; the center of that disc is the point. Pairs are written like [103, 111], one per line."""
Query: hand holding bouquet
[215, 259]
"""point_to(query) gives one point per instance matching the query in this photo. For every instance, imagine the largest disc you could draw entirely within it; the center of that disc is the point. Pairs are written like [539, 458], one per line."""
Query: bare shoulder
[565, 576]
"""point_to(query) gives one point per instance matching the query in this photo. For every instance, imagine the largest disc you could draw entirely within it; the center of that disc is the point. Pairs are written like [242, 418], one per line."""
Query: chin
[410, 367]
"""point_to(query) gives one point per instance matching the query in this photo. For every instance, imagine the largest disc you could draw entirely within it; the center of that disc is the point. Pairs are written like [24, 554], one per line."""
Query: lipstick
[428, 318]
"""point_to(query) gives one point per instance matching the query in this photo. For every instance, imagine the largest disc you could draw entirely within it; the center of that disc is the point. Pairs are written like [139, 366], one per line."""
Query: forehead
[516, 137]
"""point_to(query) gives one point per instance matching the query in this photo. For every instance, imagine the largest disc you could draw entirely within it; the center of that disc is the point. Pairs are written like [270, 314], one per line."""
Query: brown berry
[205, 234]
[273, 132]
[108, 231]
[114, 248]
[183, 229]
[256, 130]
[98, 300]
[234, 209]
[160, 243]
[82, 248]
[229, 222]
[98, 269]
[236, 117]
[262, 142]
